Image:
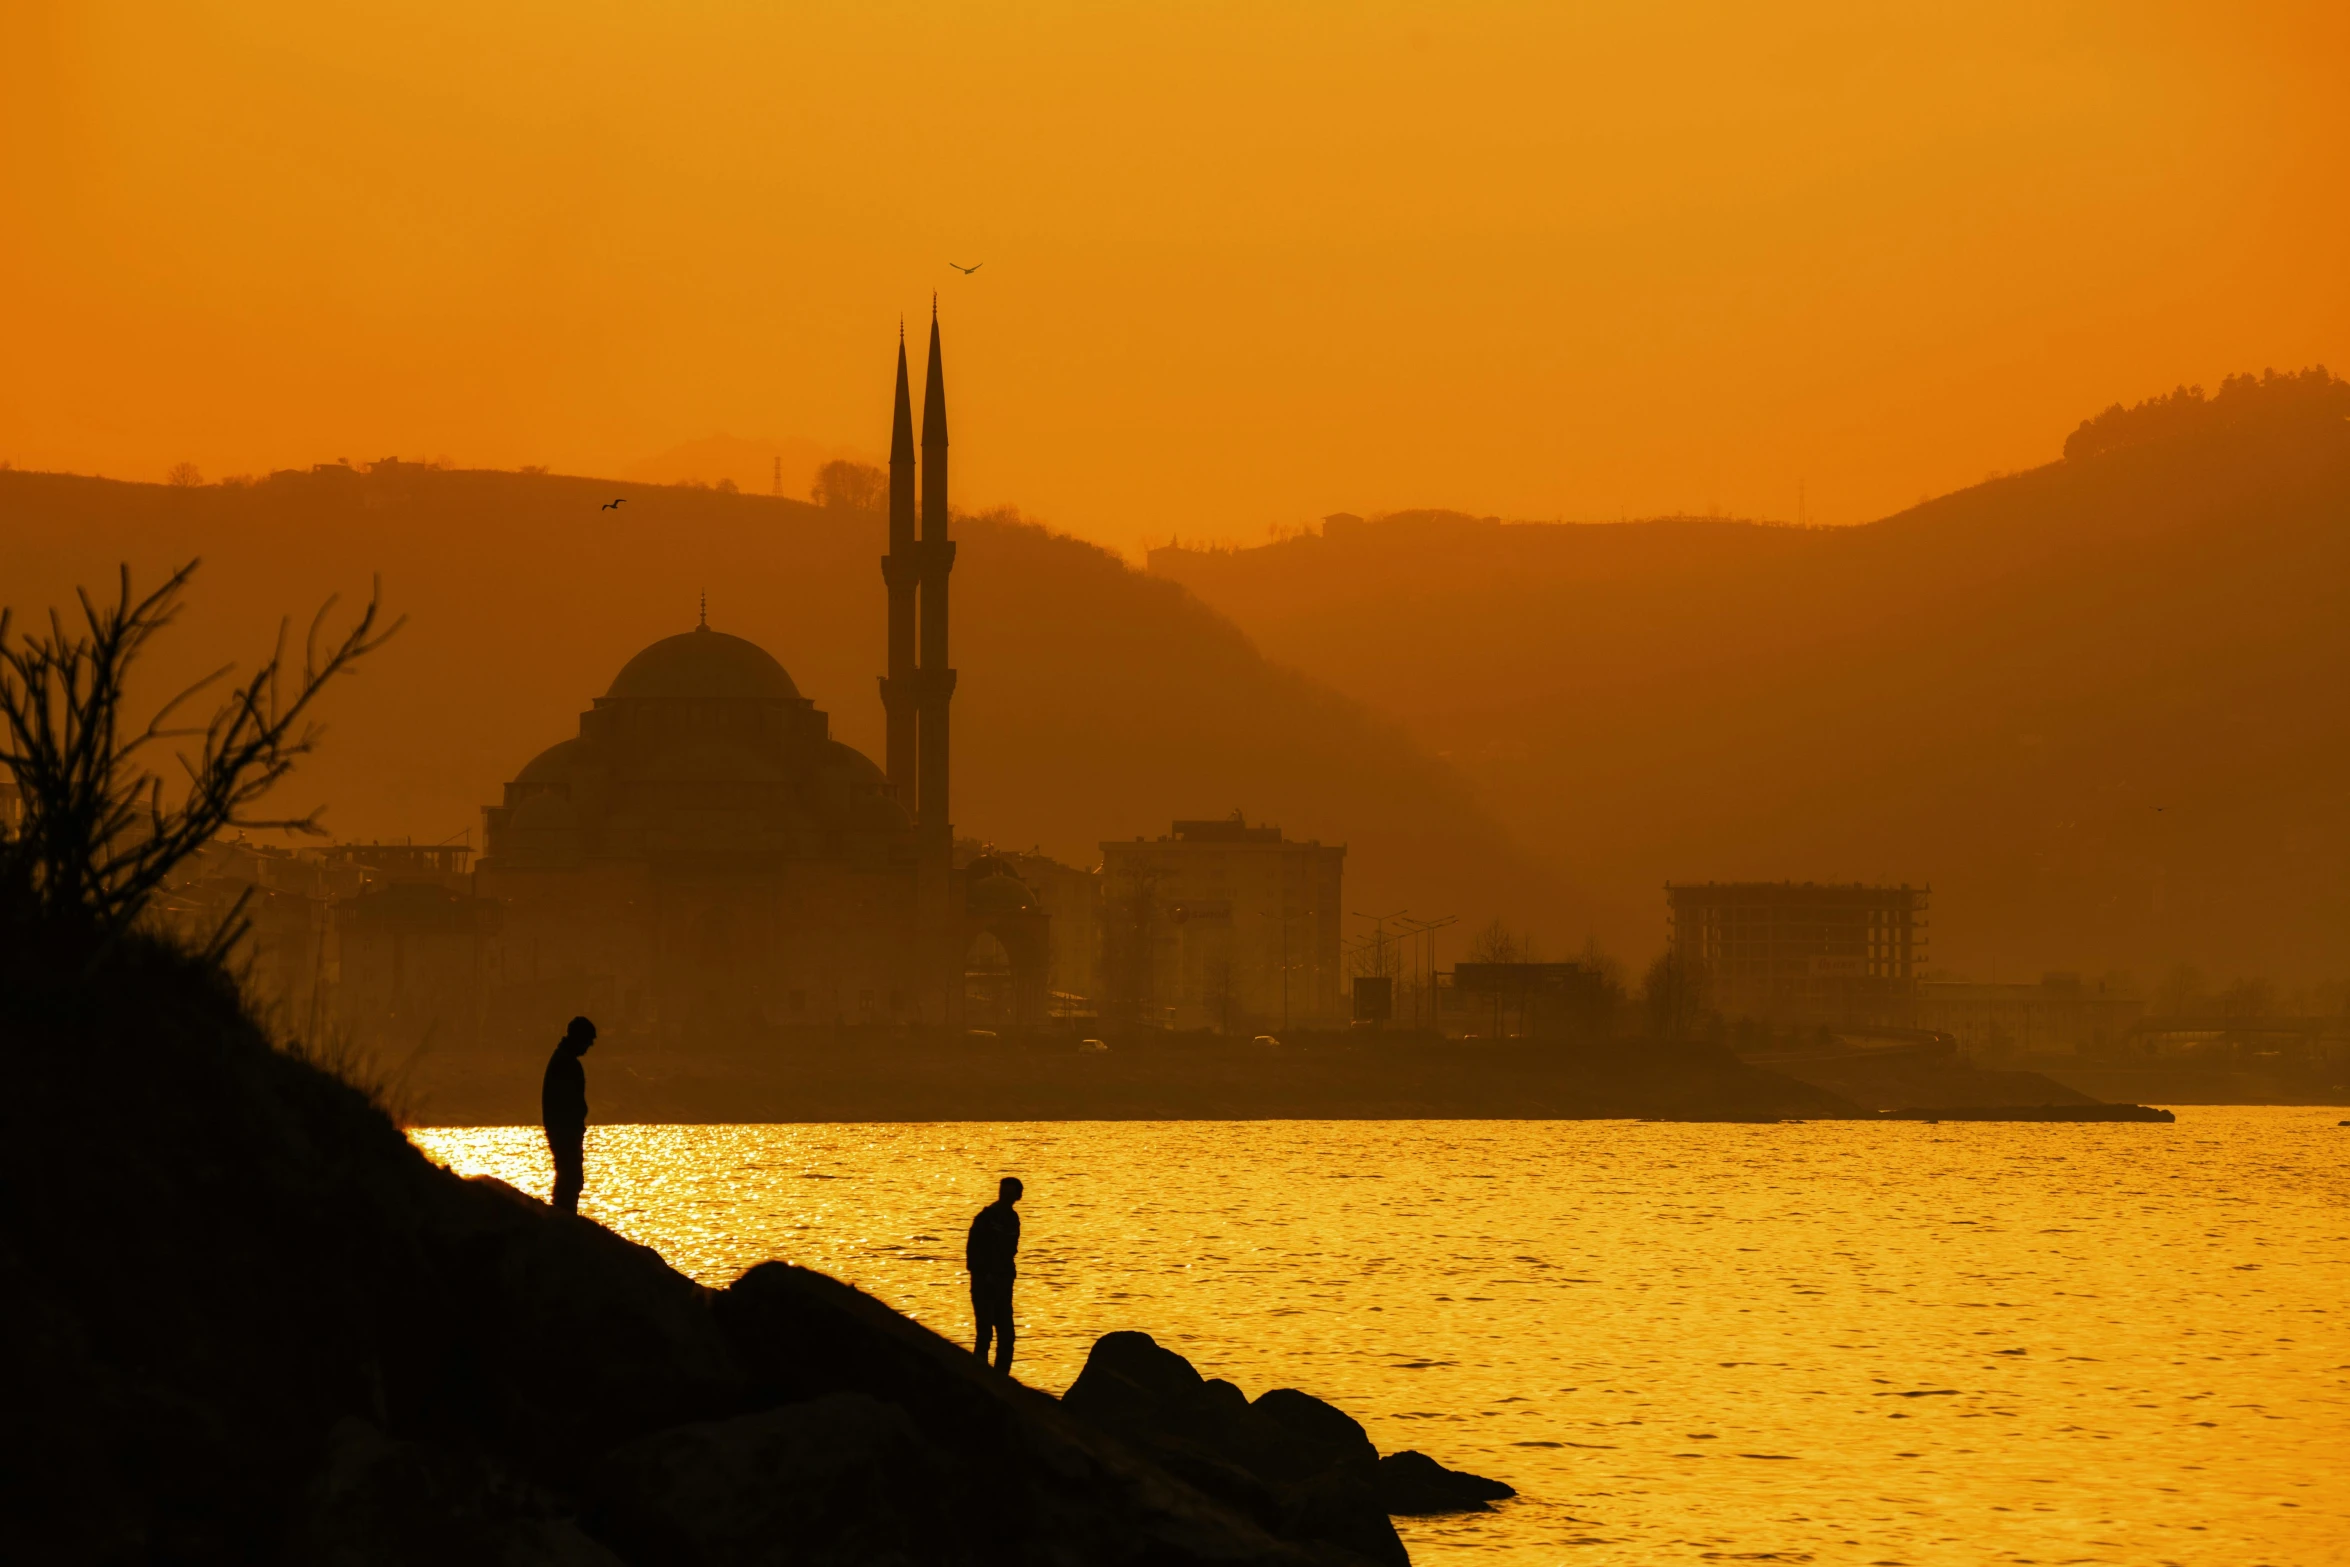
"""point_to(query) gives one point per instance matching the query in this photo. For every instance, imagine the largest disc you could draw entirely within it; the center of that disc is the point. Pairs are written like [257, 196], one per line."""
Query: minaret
[934, 832]
[936, 905]
[902, 571]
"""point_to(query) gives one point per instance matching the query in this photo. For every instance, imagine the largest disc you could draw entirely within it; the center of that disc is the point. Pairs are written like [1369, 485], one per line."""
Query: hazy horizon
[1238, 269]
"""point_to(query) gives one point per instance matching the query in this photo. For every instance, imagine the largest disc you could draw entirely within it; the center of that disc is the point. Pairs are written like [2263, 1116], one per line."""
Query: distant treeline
[2242, 399]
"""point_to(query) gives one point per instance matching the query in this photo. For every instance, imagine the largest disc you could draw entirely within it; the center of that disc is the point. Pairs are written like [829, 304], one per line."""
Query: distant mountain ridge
[1094, 701]
[2097, 705]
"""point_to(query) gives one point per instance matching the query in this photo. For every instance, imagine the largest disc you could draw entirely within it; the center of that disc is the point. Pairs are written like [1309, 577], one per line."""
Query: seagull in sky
[966, 270]
[613, 505]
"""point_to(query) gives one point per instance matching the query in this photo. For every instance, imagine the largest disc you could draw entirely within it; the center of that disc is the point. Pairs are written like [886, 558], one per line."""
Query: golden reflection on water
[1830, 1343]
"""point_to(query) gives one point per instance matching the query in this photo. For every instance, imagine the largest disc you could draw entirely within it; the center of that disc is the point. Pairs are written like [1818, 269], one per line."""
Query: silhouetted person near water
[989, 1254]
[563, 1106]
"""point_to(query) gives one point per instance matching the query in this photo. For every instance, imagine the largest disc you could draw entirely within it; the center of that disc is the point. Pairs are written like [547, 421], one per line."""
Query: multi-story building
[1801, 952]
[1222, 925]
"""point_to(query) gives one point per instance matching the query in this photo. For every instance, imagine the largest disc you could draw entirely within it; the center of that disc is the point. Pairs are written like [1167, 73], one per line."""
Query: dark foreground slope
[2097, 705]
[244, 1321]
[1093, 702]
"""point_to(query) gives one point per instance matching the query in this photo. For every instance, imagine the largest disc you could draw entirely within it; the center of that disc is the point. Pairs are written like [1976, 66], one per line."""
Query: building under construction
[1801, 952]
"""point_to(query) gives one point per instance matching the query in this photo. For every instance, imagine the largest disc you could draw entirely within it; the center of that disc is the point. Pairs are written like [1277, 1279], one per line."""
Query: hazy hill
[1094, 701]
[2100, 706]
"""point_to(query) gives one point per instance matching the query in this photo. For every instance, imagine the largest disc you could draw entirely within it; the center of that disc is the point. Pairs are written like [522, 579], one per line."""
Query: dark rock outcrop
[1411, 1484]
[1298, 1466]
[844, 1478]
[251, 1323]
[378, 1502]
[1017, 1472]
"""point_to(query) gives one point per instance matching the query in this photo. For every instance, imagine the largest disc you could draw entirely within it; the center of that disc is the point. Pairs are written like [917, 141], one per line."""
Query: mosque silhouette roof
[555, 762]
[702, 665]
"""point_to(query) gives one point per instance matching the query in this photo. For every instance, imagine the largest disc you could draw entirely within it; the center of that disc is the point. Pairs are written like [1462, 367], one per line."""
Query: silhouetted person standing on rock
[989, 1254]
[563, 1106]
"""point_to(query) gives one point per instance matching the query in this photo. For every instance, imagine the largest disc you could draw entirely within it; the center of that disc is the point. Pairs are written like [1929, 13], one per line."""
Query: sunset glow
[1239, 265]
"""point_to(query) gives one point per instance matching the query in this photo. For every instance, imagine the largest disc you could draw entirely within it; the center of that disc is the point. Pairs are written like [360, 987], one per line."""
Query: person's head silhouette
[580, 1036]
[1009, 1189]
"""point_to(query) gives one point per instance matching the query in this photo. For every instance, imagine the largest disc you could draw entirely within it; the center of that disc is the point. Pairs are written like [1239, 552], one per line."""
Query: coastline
[836, 1078]
[851, 1078]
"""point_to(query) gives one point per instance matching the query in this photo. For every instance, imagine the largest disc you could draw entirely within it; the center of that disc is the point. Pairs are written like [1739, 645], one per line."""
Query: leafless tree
[1613, 976]
[2248, 999]
[1497, 943]
[98, 832]
[184, 476]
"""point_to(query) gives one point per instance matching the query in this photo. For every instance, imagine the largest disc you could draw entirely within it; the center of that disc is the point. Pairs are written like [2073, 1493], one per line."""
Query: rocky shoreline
[251, 1322]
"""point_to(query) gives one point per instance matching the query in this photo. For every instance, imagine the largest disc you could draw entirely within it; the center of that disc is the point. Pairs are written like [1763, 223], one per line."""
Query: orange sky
[1244, 263]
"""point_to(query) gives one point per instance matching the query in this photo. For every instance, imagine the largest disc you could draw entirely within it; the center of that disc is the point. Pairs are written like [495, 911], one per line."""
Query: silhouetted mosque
[705, 850]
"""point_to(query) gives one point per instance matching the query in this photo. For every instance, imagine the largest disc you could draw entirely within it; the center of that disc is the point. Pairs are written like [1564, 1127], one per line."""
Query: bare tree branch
[98, 835]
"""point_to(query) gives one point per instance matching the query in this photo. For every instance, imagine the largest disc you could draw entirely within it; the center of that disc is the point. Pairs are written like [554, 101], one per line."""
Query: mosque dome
[555, 764]
[855, 763]
[702, 665]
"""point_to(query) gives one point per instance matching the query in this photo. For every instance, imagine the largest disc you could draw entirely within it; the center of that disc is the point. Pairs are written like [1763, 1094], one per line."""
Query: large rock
[1305, 1469]
[1411, 1484]
[242, 1319]
[843, 1479]
[579, 1338]
[378, 1502]
[1022, 1480]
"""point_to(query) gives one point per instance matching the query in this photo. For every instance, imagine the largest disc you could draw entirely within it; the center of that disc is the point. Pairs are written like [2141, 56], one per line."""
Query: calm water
[1810, 1343]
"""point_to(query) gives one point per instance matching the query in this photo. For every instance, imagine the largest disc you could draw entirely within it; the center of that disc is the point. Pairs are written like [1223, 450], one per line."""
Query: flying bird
[614, 504]
[966, 270]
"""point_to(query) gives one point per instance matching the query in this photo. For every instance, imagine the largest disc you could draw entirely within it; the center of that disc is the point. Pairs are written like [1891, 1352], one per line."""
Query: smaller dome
[556, 763]
[702, 665]
[854, 762]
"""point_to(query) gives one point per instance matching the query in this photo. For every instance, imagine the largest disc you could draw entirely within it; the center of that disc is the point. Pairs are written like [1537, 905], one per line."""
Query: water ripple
[2103, 1343]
